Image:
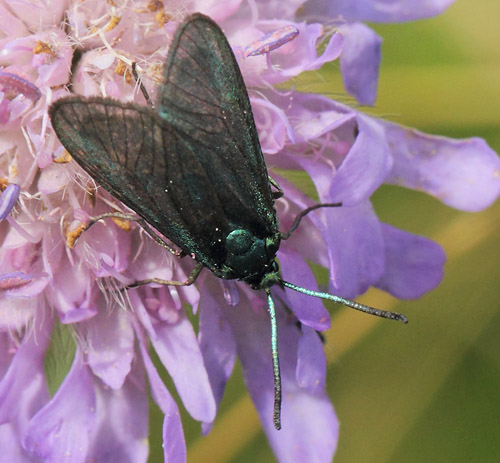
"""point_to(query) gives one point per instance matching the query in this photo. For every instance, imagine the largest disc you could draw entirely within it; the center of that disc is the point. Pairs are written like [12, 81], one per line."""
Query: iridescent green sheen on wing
[204, 97]
[192, 168]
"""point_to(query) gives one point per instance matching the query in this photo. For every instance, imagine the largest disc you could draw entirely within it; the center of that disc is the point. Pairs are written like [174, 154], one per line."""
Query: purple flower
[99, 412]
[360, 59]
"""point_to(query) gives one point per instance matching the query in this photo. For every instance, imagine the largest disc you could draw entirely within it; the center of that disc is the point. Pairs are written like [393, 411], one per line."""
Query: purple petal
[271, 41]
[216, 9]
[351, 166]
[356, 249]
[14, 85]
[365, 167]
[11, 281]
[10, 445]
[311, 361]
[295, 57]
[309, 310]
[309, 425]
[8, 199]
[53, 178]
[216, 341]
[276, 9]
[60, 431]
[52, 254]
[316, 115]
[230, 290]
[305, 57]
[273, 125]
[23, 390]
[28, 289]
[464, 174]
[110, 247]
[17, 316]
[359, 62]
[12, 26]
[374, 10]
[174, 443]
[110, 338]
[39, 15]
[73, 291]
[121, 429]
[288, 207]
[6, 353]
[178, 349]
[307, 117]
[413, 264]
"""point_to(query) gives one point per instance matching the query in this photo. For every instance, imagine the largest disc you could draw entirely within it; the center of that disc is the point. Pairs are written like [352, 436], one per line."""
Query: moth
[192, 168]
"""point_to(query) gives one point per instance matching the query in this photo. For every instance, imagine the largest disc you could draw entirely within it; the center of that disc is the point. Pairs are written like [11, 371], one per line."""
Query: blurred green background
[430, 391]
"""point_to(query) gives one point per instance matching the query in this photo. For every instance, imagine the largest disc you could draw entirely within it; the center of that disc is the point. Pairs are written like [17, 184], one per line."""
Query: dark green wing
[204, 97]
[194, 170]
[136, 156]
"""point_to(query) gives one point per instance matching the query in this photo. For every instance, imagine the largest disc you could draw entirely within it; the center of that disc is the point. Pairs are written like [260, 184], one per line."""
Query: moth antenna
[298, 218]
[276, 363]
[348, 303]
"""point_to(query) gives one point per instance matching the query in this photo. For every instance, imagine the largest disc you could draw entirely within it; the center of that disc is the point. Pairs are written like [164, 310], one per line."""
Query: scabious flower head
[99, 412]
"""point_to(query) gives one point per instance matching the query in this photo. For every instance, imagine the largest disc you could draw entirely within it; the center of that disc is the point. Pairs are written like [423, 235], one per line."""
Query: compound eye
[239, 242]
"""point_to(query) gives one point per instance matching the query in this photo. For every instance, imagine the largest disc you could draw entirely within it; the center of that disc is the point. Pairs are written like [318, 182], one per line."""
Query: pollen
[122, 223]
[43, 47]
[123, 70]
[4, 183]
[64, 158]
[155, 5]
[73, 234]
[162, 18]
[113, 22]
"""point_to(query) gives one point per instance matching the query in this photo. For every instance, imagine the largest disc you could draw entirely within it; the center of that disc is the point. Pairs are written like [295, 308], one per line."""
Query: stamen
[271, 41]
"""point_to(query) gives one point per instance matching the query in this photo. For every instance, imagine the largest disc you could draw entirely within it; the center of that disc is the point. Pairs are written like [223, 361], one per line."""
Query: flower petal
[174, 443]
[311, 361]
[309, 310]
[178, 349]
[291, 58]
[360, 61]
[74, 294]
[277, 9]
[60, 431]
[374, 10]
[17, 316]
[11, 25]
[110, 338]
[121, 429]
[413, 264]
[218, 10]
[8, 199]
[216, 340]
[14, 85]
[464, 174]
[12, 451]
[364, 168]
[23, 390]
[356, 249]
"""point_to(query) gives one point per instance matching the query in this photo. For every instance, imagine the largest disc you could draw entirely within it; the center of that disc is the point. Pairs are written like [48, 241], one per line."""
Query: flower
[44, 283]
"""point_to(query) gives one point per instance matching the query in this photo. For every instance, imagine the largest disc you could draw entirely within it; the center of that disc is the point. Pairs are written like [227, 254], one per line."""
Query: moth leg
[139, 82]
[144, 225]
[191, 279]
[296, 222]
[163, 244]
[275, 184]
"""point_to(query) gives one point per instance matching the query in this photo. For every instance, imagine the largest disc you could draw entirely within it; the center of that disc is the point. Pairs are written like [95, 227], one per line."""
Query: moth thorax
[247, 255]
